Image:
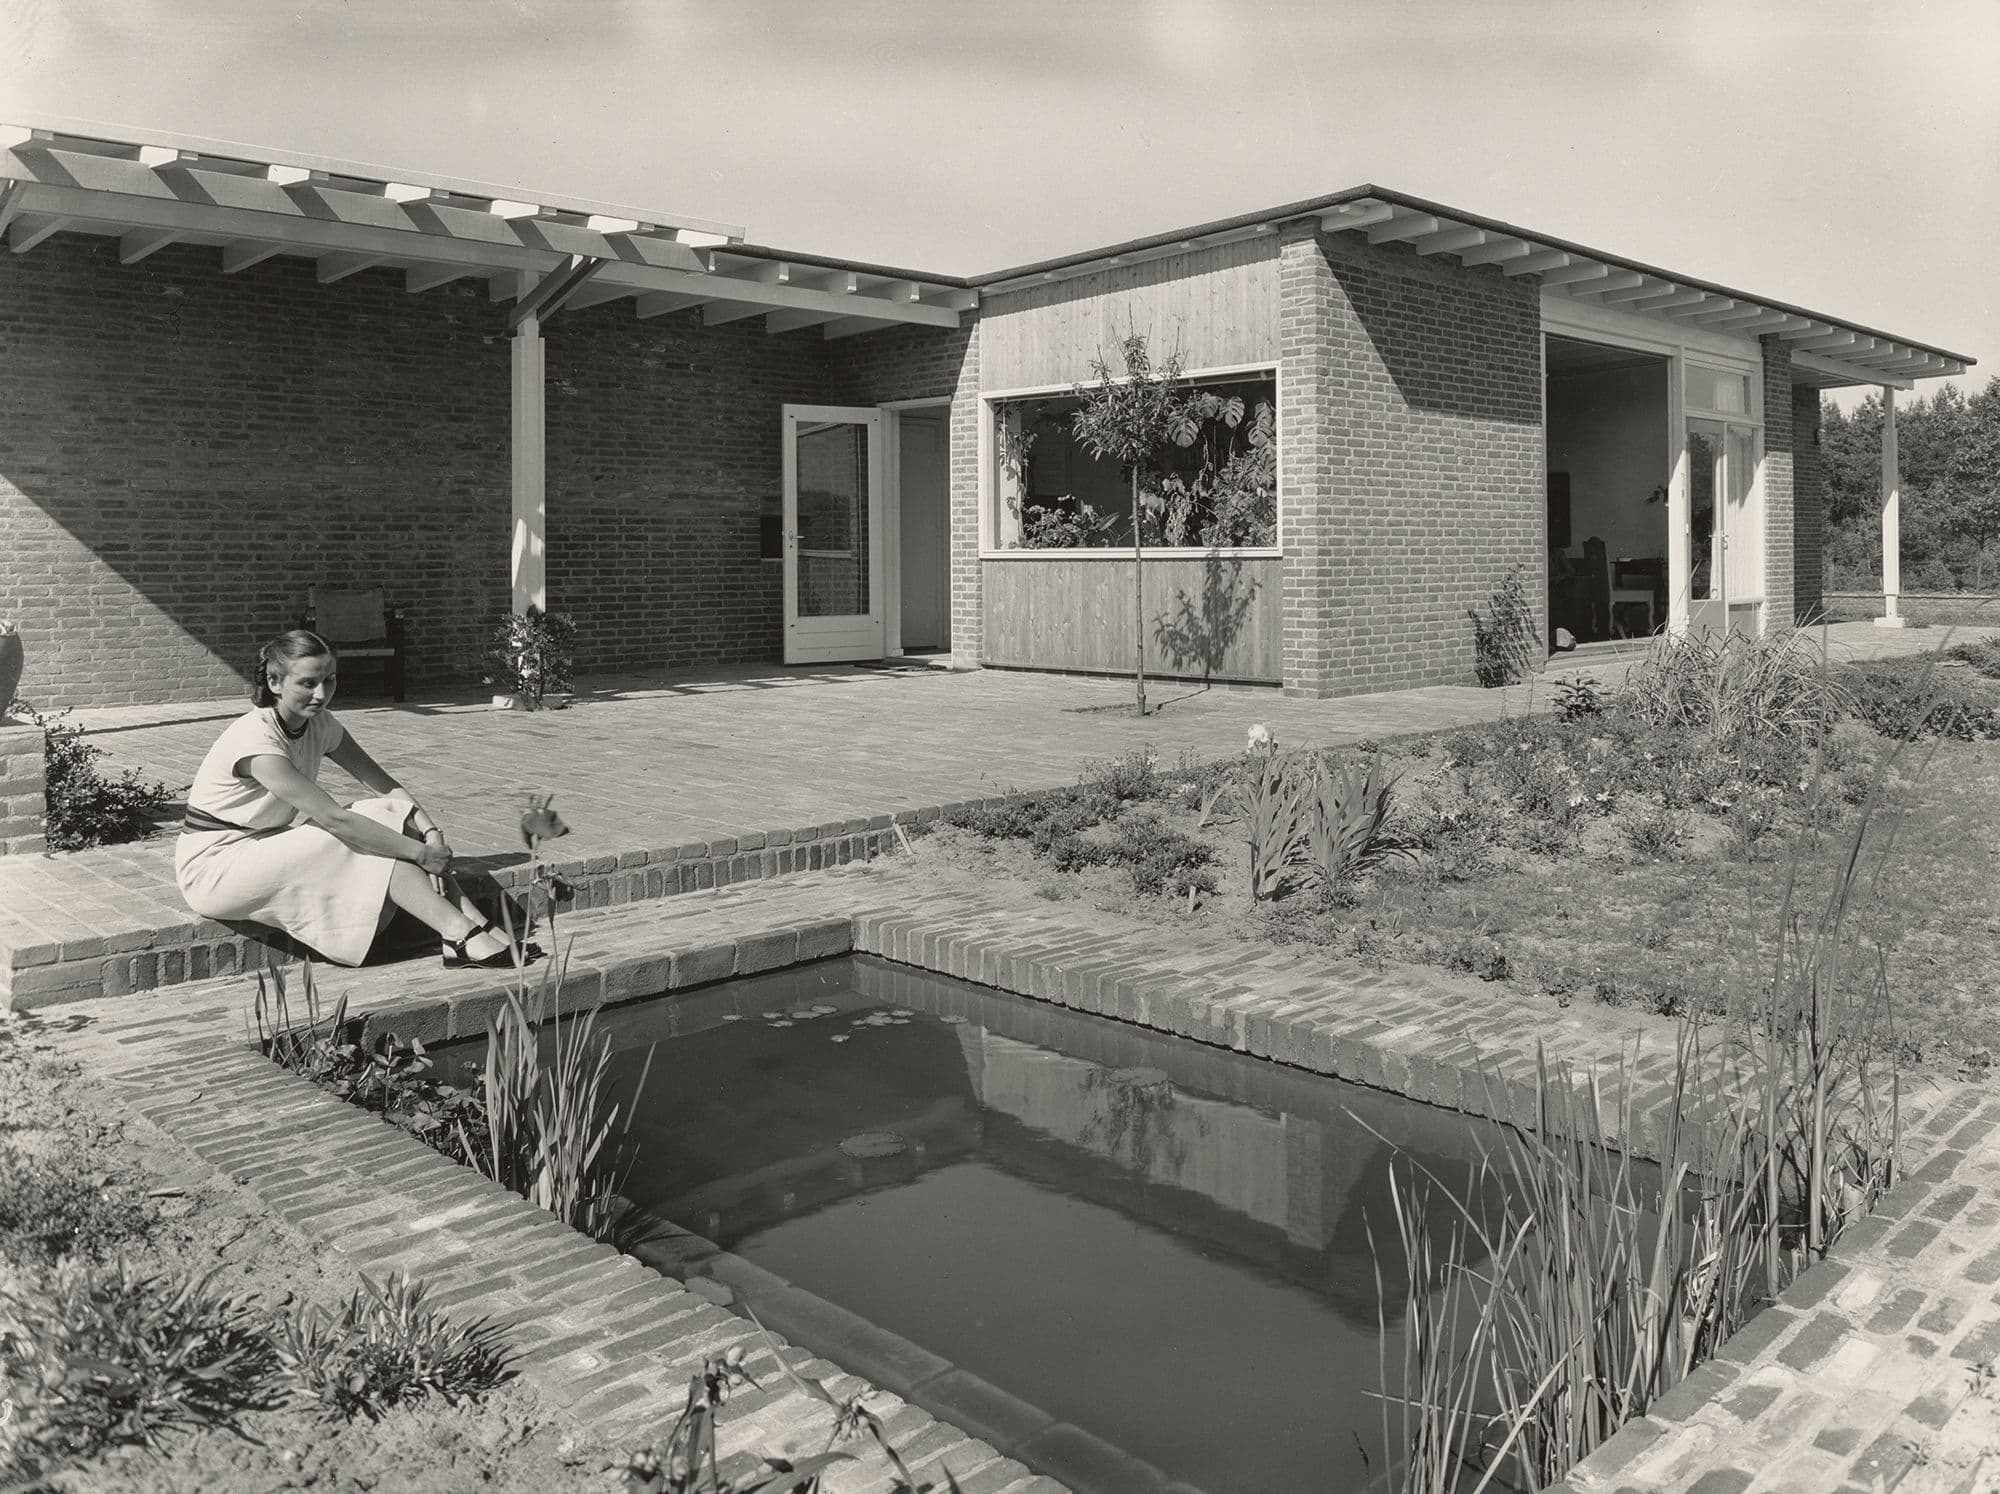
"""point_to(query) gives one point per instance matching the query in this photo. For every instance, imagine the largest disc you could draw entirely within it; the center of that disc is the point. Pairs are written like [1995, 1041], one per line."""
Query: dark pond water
[1161, 1243]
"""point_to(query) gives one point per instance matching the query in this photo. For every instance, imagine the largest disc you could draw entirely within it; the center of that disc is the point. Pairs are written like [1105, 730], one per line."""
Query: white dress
[275, 867]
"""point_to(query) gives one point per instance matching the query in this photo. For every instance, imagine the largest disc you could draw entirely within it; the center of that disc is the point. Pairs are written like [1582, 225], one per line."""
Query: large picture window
[1217, 491]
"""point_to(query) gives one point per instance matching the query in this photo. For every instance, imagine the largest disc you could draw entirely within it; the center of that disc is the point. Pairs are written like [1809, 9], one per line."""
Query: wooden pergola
[539, 252]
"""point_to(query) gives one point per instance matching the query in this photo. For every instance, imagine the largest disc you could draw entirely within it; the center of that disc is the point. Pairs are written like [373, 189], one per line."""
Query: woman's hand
[434, 856]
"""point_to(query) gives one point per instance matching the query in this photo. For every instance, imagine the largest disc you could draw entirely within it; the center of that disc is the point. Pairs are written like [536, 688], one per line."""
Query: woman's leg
[410, 889]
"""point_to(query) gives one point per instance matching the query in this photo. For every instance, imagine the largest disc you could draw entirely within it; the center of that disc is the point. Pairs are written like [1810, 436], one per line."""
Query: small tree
[1135, 421]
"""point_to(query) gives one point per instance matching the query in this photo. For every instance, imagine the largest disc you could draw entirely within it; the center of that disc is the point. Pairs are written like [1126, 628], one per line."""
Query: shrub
[385, 1348]
[1658, 830]
[101, 1354]
[84, 807]
[1136, 775]
[1161, 858]
[1904, 703]
[55, 1208]
[1346, 830]
[1456, 835]
[1505, 646]
[1983, 654]
[533, 652]
[1579, 698]
[1776, 685]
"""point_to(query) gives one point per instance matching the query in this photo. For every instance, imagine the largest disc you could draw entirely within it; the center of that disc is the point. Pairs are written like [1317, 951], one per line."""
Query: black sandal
[455, 957]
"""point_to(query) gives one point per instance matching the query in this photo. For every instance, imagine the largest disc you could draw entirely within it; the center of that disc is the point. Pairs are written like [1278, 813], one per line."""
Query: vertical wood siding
[1217, 308]
[1211, 617]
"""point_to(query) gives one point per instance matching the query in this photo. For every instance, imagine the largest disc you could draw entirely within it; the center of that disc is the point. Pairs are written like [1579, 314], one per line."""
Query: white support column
[531, 587]
[1892, 517]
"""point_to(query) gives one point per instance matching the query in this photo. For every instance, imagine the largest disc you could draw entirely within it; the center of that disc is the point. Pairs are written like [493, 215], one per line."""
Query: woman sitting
[264, 842]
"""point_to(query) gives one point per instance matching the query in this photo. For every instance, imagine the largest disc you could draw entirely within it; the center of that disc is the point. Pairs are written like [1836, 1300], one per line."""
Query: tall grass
[1776, 685]
[551, 1123]
[1577, 1284]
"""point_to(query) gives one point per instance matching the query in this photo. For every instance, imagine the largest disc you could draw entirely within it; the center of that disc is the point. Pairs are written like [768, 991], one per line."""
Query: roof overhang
[1826, 351]
[250, 206]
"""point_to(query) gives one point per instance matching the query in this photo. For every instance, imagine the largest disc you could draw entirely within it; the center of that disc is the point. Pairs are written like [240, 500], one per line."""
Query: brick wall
[1779, 526]
[183, 453]
[926, 363]
[1808, 506]
[23, 802]
[1412, 460]
[664, 440]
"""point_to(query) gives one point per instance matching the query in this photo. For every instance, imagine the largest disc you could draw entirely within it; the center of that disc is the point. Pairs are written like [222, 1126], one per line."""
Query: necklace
[294, 735]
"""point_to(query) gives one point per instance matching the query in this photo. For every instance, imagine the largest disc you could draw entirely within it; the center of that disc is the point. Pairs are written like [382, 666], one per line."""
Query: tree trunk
[1138, 597]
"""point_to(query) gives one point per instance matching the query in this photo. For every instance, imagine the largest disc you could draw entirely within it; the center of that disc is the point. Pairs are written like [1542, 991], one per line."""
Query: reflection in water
[1163, 1243]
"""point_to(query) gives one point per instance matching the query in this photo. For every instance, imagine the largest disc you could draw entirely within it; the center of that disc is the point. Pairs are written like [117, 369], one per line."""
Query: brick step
[153, 954]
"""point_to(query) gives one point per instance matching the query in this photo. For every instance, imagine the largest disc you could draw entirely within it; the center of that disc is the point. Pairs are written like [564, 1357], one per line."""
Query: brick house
[229, 376]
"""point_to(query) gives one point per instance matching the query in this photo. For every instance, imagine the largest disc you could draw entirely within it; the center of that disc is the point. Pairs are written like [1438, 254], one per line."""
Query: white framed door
[833, 534]
[1725, 530]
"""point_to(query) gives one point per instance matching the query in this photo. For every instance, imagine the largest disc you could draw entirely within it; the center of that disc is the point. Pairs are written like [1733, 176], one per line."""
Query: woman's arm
[287, 783]
[352, 756]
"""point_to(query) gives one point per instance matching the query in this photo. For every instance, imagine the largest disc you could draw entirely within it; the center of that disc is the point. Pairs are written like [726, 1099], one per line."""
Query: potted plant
[532, 657]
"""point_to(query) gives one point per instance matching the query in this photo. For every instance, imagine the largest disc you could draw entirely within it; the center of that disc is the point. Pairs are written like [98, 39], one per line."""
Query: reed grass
[1576, 1284]
[552, 1126]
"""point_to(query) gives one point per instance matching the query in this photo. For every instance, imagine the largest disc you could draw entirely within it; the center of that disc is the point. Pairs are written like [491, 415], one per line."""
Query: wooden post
[1138, 595]
[530, 559]
[1892, 518]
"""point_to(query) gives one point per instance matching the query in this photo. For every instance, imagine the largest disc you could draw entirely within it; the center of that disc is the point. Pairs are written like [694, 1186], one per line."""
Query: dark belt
[200, 821]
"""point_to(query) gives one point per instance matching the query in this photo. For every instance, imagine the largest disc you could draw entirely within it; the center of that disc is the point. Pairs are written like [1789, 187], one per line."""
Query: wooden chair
[1639, 595]
[360, 625]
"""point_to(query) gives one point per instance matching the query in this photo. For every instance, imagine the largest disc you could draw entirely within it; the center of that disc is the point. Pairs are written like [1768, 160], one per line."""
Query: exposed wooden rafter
[142, 243]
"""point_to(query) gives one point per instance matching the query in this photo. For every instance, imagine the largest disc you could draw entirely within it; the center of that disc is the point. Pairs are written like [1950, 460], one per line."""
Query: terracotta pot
[11, 661]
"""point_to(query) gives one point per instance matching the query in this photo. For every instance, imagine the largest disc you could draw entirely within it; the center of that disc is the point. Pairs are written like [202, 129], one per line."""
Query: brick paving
[674, 783]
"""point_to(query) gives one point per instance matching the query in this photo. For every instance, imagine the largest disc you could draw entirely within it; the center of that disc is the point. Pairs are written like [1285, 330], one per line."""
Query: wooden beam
[1763, 321]
[1707, 305]
[1616, 280]
[12, 194]
[1810, 329]
[553, 291]
[791, 321]
[1827, 345]
[717, 313]
[1360, 215]
[1670, 300]
[851, 326]
[1540, 263]
[26, 232]
[1413, 226]
[597, 295]
[1646, 287]
[141, 243]
[420, 278]
[335, 267]
[660, 303]
[770, 272]
[1447, 240]
[1574, 274]
[1496, 251]
[241, 255]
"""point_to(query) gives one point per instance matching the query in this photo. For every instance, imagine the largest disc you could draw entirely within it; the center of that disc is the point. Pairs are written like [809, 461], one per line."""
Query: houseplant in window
[532, 660]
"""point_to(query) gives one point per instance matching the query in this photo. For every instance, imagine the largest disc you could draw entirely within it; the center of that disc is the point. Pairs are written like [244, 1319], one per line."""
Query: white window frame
[989, 477]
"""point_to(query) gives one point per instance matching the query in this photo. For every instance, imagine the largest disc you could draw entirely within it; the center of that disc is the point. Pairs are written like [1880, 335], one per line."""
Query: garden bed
[86, 1184]
[1595, 856]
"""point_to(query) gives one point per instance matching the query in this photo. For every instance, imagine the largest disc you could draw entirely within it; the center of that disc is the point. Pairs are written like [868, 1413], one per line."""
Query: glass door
[1707, 481]
[833, 534]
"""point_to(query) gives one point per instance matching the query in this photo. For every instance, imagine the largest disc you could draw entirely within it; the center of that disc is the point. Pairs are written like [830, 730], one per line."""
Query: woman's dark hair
[279, 655]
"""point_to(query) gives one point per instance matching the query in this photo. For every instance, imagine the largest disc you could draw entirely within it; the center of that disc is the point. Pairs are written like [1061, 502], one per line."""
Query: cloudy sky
[1838, 155]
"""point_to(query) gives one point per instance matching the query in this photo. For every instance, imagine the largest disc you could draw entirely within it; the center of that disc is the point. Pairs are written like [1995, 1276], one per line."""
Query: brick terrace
[677, 783]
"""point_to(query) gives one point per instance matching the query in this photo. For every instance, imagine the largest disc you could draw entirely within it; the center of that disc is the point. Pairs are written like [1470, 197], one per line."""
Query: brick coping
[1834, 1377]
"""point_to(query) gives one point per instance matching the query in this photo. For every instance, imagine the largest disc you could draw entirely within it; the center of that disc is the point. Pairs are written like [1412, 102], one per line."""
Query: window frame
[989, 475]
